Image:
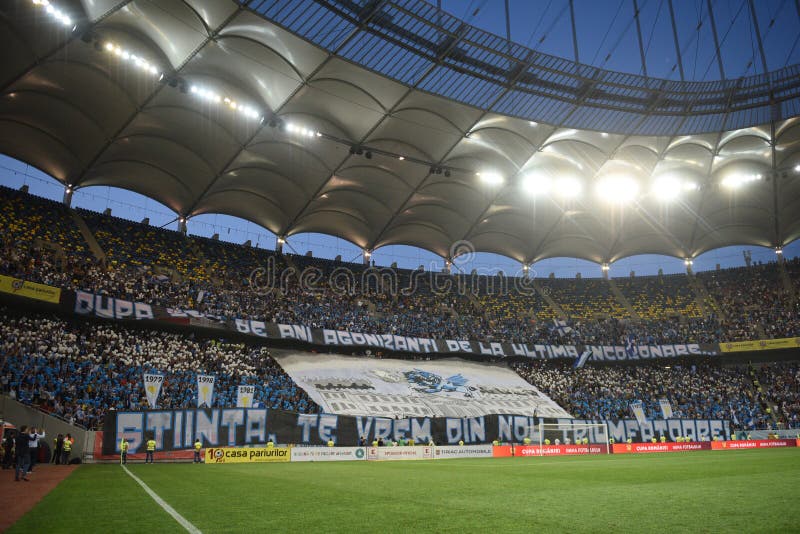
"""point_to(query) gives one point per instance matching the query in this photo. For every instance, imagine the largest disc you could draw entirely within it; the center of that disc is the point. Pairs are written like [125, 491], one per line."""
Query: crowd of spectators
[698, 390]
[780, 385]
[79, 371]
[166, 268]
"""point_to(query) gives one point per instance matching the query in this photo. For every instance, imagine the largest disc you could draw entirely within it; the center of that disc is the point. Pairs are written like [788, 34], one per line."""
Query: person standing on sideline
[33, 446]
[23, 455]
[197, 446]
[67, 449]
[58, 446]
[8, 448]
[151, 448]
[123, 451]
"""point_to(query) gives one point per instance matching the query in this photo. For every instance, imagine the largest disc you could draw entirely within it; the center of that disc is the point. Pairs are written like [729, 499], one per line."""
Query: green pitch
[726, 491]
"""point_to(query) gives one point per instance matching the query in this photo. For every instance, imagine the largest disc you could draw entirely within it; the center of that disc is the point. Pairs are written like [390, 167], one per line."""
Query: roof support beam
[754, 21]
[638, 34]
[675, 38]
[716, 39]
[574, 31]
[776, 177]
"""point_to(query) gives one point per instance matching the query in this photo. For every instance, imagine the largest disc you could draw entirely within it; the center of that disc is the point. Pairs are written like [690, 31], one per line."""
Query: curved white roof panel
[370, 122]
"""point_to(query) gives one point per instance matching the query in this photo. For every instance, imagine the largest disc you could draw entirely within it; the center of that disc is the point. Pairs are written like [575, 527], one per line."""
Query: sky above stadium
[607, 38]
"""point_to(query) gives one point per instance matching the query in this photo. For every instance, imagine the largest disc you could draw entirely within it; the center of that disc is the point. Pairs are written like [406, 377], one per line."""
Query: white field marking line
[163, 504]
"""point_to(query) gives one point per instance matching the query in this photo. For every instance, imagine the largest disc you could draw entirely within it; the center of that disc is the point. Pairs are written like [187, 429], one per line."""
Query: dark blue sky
[606, 37]
[607, 34]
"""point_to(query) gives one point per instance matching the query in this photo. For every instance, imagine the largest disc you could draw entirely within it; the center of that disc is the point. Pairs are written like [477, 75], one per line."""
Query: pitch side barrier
[176, 430]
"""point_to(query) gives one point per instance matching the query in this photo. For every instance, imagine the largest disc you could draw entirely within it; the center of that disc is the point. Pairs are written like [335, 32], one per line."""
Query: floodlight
[537, 183]
[667, 187]
[568, 187]
[737, 180]
[491, 178]
[617, 188]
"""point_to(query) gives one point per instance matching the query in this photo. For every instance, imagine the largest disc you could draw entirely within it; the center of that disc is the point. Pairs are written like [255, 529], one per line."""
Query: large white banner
[438, 388]
[328, 454]
[463, 451]
[152, 388]
[244, 396]
[400, 453]
[205, 390]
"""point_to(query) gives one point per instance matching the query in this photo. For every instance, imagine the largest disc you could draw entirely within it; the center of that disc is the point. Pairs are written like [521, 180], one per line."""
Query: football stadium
[399, 265]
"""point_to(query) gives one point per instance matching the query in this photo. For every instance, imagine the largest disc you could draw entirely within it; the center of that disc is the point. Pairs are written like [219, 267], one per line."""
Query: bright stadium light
[53, 11]
[667, 187]
[567, 187]
[127, 55]
[293, 128]
[797, 169]
[617, 188]
[491, 178]
[537, 183]
[213, 97]
[737, 180]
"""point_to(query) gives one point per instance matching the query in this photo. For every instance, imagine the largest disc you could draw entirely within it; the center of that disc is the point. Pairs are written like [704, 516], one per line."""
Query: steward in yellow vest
[123, 451]
[151, 448]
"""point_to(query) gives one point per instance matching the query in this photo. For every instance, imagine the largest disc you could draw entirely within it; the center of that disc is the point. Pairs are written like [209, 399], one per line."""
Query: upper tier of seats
[167, 268]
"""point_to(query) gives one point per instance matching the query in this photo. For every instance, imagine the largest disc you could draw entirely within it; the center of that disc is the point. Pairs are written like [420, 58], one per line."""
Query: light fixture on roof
[54, 12]
[281, 240]
[301, 130]
[604, 134]
[537, 183]
[215, 98]
[491, 178]
[737, 180]
[605, 267]
[567, 187]
[778, 251]
[533, 124]
[669, 186]
[688, 262]
[127, 55]
[797, 168]
[617, 188]
[401, 158]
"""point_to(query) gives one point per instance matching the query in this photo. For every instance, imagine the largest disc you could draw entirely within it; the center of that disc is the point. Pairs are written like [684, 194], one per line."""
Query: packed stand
[780, 384]
[753, 302]
[79, 371]
[695, 391]
[165, 268]
[659, 297]
[584, 298]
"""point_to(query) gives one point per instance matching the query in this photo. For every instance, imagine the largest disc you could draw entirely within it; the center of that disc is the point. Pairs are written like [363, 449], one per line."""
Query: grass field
[730, 491]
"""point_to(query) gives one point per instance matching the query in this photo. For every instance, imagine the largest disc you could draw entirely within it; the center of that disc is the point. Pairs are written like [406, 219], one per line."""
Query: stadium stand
[168, 268]
[660, 297]
[79, 371]
[696, 390]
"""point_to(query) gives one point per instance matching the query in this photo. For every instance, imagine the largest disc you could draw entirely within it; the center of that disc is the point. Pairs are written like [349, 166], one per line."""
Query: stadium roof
[385, 122]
